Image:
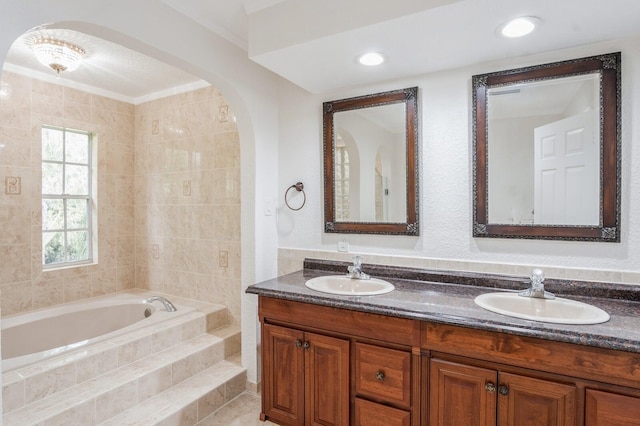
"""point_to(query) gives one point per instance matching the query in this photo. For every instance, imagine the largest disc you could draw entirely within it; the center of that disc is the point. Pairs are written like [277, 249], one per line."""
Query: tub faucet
[537, 287]
[167, 305]
[355, 270]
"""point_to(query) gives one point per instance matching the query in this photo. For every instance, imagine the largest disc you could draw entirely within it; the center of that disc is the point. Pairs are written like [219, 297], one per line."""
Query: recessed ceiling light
[371, 59]
[519, 27]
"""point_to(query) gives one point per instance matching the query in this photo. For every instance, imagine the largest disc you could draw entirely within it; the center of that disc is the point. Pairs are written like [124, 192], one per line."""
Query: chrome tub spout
[167, 305]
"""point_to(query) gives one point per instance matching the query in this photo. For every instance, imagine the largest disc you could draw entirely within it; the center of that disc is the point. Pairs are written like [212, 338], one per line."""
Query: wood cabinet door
[610, 409]
[283, 374]
[326, 380]
[524, 401]
[461, 395]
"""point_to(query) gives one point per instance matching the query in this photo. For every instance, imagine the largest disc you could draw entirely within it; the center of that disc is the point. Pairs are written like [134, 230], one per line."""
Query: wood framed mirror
[546, 151]
[371, 164]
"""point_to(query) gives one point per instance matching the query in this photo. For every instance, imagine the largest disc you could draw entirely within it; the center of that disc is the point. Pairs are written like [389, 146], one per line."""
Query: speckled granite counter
[447, 298]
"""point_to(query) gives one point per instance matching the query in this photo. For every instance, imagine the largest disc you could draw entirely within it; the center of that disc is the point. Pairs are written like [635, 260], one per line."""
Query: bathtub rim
[159, 315]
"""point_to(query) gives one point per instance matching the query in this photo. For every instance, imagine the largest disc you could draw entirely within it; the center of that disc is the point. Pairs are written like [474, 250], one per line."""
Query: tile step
[84, 364]
[188, 402]
[100, 398]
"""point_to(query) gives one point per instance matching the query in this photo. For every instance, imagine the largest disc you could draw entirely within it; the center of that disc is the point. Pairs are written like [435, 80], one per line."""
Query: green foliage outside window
[66, 196]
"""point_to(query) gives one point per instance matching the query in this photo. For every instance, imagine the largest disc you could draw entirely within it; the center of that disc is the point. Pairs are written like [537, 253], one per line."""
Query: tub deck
[121, 377]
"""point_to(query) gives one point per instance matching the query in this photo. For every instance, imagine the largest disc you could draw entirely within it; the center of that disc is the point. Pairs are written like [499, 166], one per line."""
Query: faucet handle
[357, 261]
[537, 276]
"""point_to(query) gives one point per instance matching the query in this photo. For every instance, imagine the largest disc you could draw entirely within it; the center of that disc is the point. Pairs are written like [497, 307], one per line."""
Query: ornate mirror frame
[409, 98]
[608, 230]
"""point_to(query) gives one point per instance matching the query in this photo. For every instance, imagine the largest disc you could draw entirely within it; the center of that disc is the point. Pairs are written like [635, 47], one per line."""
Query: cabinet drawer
[371, 414]
[383, 374]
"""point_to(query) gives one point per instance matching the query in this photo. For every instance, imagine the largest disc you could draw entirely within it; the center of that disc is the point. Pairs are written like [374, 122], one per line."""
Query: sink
[340, 284]
[558, 310]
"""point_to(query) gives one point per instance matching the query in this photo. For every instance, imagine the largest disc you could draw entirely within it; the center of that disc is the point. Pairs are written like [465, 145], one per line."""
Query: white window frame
[342, 203]
[65, 197]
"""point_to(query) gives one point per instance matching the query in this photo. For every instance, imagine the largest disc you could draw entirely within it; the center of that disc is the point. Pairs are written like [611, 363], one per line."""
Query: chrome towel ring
[300, 188]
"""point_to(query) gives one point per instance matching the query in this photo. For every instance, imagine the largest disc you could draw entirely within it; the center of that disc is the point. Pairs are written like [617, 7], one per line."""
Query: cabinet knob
[305, 345]
[298, 343]
[380, 376]
[490, 387]
[503, 390]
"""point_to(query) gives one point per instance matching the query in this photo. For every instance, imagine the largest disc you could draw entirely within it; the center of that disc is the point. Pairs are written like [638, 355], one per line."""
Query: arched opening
[240, 105]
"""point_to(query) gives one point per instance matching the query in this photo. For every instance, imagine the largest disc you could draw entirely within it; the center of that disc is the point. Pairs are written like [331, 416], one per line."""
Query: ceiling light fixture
[371, 59]
[519, 27]
[57, 54]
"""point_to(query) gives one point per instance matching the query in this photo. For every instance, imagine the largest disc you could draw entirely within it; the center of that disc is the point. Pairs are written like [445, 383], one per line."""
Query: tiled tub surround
[447, 298]
[168, 194]
[32, 103]
[187, 192]
[178, 370]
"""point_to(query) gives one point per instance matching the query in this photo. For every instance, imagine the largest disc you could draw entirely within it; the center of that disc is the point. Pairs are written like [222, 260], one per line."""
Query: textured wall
[30, 104]
[446, 183]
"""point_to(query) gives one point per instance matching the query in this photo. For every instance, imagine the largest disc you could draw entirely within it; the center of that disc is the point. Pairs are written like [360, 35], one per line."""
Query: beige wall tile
[16, 263]
[14, 151]
[32, 104]
[47, 293]
[168, 174]
[16, 297]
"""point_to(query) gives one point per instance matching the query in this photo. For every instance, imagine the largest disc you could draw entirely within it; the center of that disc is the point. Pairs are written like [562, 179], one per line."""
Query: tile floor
[242, 411]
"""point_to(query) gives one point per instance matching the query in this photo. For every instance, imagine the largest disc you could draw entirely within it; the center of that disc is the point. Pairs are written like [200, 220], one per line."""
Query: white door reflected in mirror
[544, 152]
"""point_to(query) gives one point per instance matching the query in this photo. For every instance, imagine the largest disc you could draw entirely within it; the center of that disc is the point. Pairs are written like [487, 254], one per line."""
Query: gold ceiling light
[57, 54]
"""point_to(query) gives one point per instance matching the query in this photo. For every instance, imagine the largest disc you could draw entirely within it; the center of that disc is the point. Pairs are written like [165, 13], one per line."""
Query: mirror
[547, 151]
[371, 164]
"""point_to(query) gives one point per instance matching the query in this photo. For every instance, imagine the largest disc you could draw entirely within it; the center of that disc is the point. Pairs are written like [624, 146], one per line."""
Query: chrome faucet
[355, 270]
[167, 305]
[537, 287]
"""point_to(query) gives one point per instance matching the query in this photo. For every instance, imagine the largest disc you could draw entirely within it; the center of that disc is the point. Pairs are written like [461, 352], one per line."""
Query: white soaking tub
[34, 336]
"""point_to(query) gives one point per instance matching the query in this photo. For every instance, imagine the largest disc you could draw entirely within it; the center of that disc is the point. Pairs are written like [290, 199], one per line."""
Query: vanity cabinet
[463, 394]
[506, 379]
[308, 382]
[330, 366]
[324, 365]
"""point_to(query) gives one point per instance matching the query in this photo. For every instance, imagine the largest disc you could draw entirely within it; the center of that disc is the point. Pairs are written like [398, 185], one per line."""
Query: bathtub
[37, 335]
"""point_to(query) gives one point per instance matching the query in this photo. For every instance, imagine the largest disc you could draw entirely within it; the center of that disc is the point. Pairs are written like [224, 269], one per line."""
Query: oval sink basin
[558, 310]
[340, 284]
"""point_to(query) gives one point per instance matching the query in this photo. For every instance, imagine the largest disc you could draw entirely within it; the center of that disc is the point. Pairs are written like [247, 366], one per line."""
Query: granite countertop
[448, 298]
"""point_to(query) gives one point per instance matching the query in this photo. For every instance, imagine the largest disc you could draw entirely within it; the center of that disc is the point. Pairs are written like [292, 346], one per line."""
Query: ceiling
[314, 43]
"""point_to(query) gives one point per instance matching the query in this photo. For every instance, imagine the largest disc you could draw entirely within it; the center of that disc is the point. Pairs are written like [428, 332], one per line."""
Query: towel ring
[300, 188]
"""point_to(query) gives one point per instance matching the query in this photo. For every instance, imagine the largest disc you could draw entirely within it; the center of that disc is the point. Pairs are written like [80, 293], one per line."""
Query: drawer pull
[380, 376]
[490, 387]
[503, 390]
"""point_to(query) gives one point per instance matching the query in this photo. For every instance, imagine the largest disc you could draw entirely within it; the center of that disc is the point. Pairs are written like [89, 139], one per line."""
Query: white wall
[446, 180]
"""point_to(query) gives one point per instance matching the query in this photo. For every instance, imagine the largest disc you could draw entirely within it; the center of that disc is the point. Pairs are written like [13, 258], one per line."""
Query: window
[66, 196]
[341, 180]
